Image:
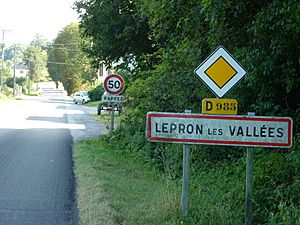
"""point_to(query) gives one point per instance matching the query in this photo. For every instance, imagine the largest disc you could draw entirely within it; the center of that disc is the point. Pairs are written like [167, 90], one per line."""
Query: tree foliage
[67, 62]
[116, 30]
[39, 40]
[36, 60]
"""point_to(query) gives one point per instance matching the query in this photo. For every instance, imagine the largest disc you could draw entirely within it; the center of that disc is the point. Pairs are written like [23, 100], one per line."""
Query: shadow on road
[49, 119]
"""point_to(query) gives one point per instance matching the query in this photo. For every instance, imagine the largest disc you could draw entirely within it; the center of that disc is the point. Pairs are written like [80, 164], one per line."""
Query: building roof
[21, 66]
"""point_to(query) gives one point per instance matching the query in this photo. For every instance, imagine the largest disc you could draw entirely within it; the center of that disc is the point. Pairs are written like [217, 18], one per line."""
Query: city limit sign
[219, 129]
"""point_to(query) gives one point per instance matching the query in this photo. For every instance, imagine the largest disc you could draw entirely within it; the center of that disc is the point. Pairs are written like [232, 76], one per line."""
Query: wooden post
[249, 184]
[185, 178]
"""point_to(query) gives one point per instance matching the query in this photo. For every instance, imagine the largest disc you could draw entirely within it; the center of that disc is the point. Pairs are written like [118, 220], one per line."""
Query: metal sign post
[113, 100]
[249, 184]
[185, 178]
[112, 116]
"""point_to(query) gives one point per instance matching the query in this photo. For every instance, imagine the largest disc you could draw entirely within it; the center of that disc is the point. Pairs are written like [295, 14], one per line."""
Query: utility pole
[2, 62]
[28, 77]
[14, 77]
[91, 72]
[2, 57]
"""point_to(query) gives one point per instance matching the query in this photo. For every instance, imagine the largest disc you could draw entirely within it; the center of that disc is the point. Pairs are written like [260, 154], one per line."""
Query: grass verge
[106, 119]
[93, 103]
[105, 116]
[3, 97]
[115, 189]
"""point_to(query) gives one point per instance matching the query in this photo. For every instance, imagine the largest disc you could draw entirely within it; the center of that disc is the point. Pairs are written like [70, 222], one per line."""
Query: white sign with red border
[219, 129]
[114, 84]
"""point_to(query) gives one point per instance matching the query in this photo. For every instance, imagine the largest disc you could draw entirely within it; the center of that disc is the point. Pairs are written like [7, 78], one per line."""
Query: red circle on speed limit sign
[114, 84]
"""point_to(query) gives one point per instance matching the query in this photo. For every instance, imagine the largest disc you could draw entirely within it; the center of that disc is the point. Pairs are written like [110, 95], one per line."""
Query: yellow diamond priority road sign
[220, 71]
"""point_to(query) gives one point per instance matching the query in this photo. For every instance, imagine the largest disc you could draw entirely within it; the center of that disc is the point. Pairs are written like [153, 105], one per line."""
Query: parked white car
[81, 97]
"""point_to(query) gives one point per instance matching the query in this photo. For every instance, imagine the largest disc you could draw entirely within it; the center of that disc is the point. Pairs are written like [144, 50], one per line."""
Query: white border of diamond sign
[220, 52]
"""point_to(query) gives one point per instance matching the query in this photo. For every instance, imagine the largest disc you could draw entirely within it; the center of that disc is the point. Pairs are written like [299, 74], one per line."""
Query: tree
[116, 30]
[36, 60]
[67, 62]
[9, 53]
[187, 32]
[6, 69]
[40, 41]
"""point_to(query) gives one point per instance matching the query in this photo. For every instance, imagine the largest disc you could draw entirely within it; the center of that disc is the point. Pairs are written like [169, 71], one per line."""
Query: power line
[64, 44]
[61, 48]
[59, 63]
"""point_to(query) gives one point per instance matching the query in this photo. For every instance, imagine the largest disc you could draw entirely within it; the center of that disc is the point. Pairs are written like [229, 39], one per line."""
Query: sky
[25, 18]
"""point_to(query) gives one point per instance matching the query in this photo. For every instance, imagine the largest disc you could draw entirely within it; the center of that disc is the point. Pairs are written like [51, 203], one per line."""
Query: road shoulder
[82, 125]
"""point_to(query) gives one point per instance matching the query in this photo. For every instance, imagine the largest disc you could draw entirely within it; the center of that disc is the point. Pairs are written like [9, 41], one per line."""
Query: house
[103, 72]
[22, 70]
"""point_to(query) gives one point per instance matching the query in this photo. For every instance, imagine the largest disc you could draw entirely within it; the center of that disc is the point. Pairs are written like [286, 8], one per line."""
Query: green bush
[276, 186]
[20, 81]
[96, 93]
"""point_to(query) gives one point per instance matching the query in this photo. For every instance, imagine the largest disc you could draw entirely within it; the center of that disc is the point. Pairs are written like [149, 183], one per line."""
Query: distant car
[81, 97]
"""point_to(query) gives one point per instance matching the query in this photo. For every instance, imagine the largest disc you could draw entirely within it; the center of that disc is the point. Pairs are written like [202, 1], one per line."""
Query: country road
[37, 184]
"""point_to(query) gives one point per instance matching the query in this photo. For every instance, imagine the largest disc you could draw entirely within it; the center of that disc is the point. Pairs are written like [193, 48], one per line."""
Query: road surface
[37, 185]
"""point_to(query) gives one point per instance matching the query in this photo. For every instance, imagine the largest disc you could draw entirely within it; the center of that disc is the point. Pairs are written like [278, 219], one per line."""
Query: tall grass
[117, 184]
[115, 189]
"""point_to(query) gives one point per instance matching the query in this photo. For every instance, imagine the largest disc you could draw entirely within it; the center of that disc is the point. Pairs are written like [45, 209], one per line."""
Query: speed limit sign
[114, 84]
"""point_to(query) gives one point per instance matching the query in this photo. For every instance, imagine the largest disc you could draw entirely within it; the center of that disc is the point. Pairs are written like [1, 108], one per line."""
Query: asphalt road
[37, 185]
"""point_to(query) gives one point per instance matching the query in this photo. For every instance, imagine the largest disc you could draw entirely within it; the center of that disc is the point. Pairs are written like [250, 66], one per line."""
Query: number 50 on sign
[114, 84]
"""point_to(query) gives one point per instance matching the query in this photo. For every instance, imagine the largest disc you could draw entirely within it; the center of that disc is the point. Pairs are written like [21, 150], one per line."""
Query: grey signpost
[185, 178]
[249, 183]
[113, 100]
[112, 125]
[114, 85]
